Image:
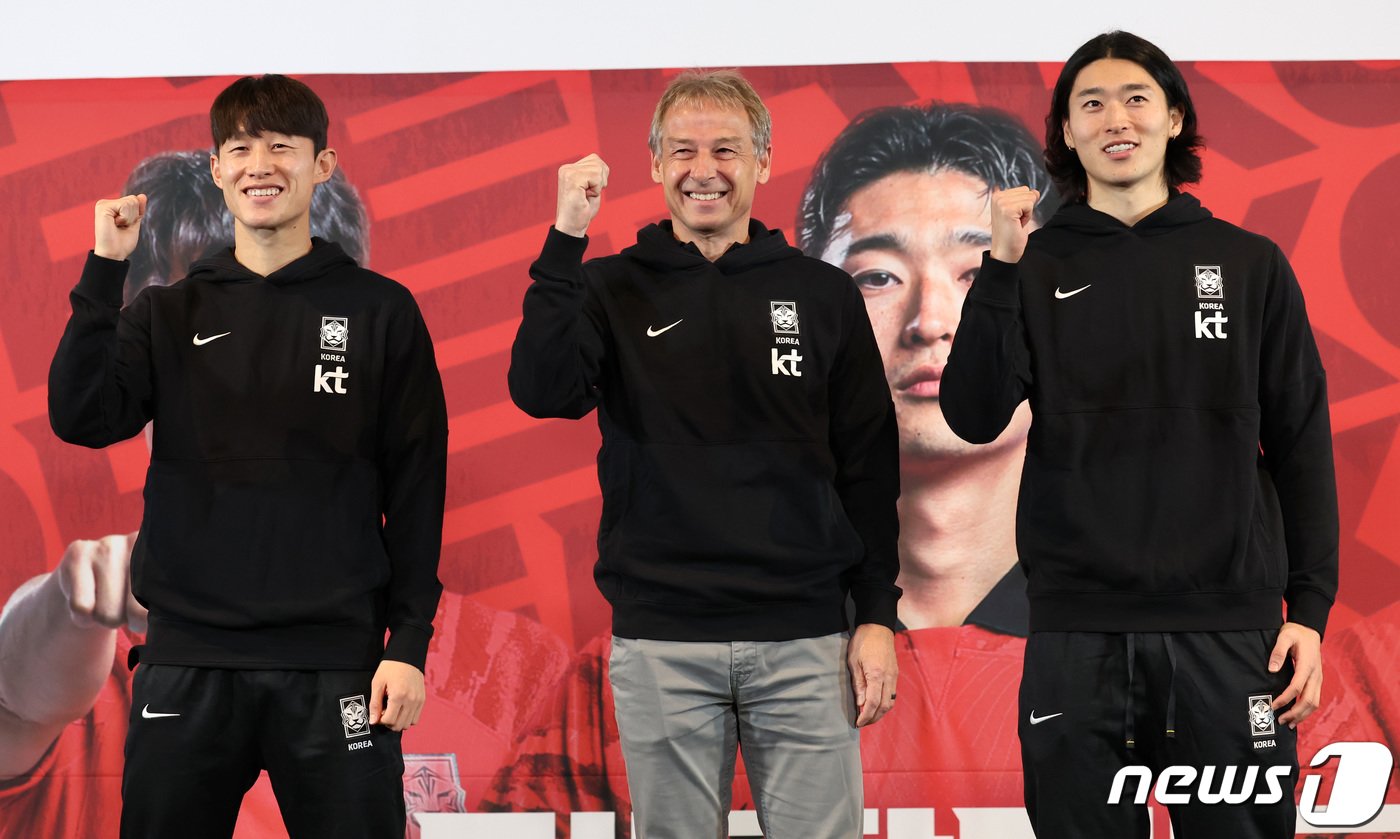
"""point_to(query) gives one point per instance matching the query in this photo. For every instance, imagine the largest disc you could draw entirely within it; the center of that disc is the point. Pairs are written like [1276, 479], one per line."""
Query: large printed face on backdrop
[708, 168]
[268, 180]
[1118, 125]
[913, 242]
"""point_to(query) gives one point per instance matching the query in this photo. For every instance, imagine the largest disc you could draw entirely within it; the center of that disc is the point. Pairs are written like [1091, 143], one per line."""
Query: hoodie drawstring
[1128, 707]
[1171, 685]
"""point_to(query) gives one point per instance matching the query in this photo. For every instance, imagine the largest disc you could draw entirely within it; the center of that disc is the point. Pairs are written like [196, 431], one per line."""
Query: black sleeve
[557, 357]
[100, 379]
[865, 445]
[988, 371]
[1296, 439]
[413, 468]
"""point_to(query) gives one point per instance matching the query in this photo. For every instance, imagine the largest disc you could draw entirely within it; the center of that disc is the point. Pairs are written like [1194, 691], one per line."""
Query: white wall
[128, 38]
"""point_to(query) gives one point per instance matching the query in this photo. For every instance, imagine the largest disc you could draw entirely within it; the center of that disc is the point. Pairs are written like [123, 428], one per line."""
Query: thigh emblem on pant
[1261, 715]
[354, 716]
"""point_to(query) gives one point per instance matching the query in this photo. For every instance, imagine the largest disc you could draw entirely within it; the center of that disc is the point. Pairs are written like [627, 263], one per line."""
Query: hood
[1180, 210]
[657, 247]
[325, 257]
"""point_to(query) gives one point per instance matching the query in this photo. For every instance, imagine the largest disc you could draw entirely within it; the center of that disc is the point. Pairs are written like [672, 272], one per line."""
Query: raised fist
[581, 187]
[1013, 216]
[95, 577]
[118, 225]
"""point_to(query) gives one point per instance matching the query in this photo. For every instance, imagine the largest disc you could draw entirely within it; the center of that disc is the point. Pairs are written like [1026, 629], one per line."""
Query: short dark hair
[985, 143]
[255, 104]
[1183, 163]
[187, 217]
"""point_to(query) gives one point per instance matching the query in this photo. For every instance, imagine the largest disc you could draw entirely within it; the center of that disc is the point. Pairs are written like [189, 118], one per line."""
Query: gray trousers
[684, 708]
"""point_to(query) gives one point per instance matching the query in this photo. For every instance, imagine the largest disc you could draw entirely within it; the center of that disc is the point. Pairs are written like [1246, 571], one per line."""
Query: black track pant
[1092, 703]
[199, 736]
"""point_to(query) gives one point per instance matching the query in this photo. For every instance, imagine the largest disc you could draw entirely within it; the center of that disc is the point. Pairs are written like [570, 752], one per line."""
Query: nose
[934, 313]
[702, 166]
[1115, 116]
[260, 160]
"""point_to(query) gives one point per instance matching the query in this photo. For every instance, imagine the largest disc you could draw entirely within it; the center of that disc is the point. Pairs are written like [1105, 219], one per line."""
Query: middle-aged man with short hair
[294, 500]
[749, 472]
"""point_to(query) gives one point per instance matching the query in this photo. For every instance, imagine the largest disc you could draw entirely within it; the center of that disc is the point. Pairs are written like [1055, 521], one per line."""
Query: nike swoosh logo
[1061, 295]
[1038, 720]
[199, 342]
[146, 712]
[652, 333]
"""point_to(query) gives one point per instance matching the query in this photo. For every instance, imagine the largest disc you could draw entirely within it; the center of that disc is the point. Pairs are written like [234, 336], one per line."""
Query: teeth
[266, 192]
[1117, 147]
[706, 196]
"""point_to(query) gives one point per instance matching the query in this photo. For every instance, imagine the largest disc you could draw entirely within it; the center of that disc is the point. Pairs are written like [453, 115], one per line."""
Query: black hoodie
[749, 465]
[1178, 471]
[294, 499]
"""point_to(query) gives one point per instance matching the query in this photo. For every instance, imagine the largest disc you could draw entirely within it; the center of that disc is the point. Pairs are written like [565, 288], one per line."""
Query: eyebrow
[1098, 91]
[891, 242]
[682, 141]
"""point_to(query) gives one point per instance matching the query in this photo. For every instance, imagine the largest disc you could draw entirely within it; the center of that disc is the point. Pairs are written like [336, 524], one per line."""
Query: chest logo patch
[335, 334]
[1210, 283]
[784, 315]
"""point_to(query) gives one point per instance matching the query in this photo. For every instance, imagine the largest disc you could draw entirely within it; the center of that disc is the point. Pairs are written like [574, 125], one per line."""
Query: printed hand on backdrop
[581, 188]
[118, 226]
[1013, 211]
[95, 578]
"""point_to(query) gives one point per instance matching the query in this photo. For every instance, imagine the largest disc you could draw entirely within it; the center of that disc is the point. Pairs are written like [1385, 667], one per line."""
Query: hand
[1304, 646]
[118, 226]
[581, 188]
[1013, 214]
[95, 578]
[874, 671]
[396, 695]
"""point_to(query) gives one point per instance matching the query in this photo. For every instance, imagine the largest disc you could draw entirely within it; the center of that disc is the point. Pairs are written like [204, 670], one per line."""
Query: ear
[1177, 117]
[655, 169]
[214, 170]
[765, 165]
[1069, 139]
[325, 165]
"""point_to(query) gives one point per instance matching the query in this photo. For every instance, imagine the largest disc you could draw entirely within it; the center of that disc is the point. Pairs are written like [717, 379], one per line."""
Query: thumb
[376, 700]
[1280, 653]
[858, 682]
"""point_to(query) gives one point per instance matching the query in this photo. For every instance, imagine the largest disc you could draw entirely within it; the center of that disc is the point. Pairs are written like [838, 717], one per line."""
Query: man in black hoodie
[749, 473]
[1178, 493]
[294, 499]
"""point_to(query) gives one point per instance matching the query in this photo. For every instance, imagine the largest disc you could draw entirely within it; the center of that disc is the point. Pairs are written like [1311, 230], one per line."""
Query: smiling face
[268, 180]
[709, 168]
[1118, 125]
[913, 242]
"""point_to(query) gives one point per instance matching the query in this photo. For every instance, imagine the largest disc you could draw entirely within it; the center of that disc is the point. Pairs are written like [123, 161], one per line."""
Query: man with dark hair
[749, 479]
[294, 501]
[902, 202]
[186, 217]
[1178, 492]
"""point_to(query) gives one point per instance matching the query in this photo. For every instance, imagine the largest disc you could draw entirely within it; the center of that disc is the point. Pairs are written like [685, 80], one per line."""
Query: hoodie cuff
[1310, 608]
[103, 279]
[562, 255]
[409, 645]
[876, 606]
[997, 283]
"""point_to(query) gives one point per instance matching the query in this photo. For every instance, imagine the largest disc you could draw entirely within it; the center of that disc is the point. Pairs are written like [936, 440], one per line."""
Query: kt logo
[323, 380]
[786, 365]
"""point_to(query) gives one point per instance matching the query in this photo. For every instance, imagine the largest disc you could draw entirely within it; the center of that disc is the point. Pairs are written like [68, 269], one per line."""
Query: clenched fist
[118, 226]
[581, 188]
[1013, 216]
[95, 577]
